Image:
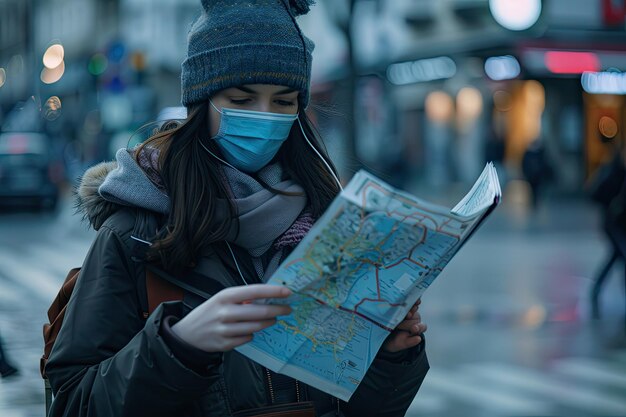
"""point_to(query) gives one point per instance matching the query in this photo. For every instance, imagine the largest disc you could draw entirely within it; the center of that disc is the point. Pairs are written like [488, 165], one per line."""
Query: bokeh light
[3, 76]
[469, 103]
[50, 76]
[502, 67]
[422, 70]
[605, 82]
[439, 106]
[608, 127]
[502, 100]
[534, 317]
[53, 57]
[515, 14]
[98, 64]
[52, 108]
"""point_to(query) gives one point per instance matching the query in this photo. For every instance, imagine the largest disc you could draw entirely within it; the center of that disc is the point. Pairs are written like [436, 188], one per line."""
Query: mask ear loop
[208, 150]
[216, 157]
[319, 155]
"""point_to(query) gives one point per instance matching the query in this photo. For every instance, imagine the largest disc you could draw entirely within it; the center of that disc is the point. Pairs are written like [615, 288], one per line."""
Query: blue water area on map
[337, 346]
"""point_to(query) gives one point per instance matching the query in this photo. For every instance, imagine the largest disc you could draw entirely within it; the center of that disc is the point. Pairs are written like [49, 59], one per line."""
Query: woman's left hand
[408, 333]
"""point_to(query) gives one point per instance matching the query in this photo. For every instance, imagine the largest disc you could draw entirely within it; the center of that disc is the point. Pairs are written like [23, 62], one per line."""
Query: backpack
[159, 286]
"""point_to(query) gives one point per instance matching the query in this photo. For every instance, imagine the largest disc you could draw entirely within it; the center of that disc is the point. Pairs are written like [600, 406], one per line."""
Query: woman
[219, 199]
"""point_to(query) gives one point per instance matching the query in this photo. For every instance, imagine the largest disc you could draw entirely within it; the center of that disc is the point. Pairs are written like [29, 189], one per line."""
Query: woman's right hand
[229, 318]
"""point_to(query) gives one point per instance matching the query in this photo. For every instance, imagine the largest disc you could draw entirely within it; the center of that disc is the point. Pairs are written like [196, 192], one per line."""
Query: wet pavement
[509, 328]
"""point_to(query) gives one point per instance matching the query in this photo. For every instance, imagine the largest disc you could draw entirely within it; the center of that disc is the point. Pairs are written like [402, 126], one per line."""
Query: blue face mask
[249, 140]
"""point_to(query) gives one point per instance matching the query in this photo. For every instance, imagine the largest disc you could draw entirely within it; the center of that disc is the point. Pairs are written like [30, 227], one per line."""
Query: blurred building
[443, 86]
[423, 90]
[15, 50]
[108, 65]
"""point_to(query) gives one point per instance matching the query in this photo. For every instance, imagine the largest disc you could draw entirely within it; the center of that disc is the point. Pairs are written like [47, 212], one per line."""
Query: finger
[412, 311]
[413, 315]
[240, 294]
[415, 328]
[401, 341]
[253, 312]
[407, 325]
[246, 328]
[410, 341]
[234, 342]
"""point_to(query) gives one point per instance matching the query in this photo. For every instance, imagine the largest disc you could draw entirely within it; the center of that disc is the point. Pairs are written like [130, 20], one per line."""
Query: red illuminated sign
[568, 62]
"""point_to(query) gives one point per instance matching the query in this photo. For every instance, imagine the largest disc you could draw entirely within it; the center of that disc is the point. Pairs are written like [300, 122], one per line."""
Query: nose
[265, 105]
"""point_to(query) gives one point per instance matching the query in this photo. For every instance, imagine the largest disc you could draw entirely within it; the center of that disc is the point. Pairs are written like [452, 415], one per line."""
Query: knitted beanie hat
[236, 42]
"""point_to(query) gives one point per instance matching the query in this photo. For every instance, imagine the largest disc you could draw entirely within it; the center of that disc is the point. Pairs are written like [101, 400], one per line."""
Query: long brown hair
[195, 186]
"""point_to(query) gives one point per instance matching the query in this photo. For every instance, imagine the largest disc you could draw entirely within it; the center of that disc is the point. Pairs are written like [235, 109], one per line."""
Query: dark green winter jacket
[109, 361]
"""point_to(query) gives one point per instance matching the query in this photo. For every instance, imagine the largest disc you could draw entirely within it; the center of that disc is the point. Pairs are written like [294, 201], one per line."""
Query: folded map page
[356, 275]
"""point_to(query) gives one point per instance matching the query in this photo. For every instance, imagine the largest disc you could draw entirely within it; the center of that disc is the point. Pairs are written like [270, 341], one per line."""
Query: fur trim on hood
[89, 202]
[110, 185]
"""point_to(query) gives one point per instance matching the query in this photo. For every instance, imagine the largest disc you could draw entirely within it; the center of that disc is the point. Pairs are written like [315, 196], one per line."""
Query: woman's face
[257, 97]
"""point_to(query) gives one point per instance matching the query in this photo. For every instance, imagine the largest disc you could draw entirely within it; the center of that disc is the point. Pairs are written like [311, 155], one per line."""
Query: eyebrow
[251, 91]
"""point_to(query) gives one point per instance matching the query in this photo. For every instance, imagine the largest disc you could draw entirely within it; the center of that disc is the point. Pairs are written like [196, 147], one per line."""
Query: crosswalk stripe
[17, 269]
[566, 393]
[79, 245]
[427, 401]
[592, 370]
[9, 291]
[491, 397]
[56, 260]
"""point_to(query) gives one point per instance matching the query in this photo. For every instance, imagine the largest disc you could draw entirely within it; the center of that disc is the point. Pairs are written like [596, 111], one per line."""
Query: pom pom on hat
[300, 7]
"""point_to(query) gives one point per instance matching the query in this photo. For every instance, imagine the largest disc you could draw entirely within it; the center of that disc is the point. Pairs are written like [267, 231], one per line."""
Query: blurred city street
[509, 328]
[420, 93]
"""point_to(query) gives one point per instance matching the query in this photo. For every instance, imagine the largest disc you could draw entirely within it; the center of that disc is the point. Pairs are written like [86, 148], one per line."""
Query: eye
[285, 103]
[240, 101]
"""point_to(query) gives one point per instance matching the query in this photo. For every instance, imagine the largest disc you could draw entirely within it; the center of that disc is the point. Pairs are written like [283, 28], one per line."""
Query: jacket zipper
[271, 387]
[297, 392]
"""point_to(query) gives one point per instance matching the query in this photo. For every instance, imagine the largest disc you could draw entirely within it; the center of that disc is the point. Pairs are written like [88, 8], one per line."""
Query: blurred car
[29, 172]
[172, 113]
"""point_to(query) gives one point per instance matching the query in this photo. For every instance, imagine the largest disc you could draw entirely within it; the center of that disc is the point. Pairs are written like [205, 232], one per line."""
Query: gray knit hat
[236, 42]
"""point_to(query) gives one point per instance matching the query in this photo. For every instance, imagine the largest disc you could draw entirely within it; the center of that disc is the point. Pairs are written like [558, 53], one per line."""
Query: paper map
[357, 273]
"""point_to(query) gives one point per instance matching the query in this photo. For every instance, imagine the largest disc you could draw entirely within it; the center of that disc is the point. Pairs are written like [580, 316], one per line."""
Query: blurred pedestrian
[221, 199]
[607, 181]
[608, 188]
[536, 169]
[6, 368]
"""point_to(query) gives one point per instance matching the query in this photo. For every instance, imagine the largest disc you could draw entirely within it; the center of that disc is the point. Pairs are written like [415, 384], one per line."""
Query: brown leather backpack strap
[160, 290]
[56, 314]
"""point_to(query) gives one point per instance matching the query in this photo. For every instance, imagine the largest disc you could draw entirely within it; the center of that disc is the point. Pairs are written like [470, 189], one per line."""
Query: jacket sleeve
[106, 360]
[389, 385]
